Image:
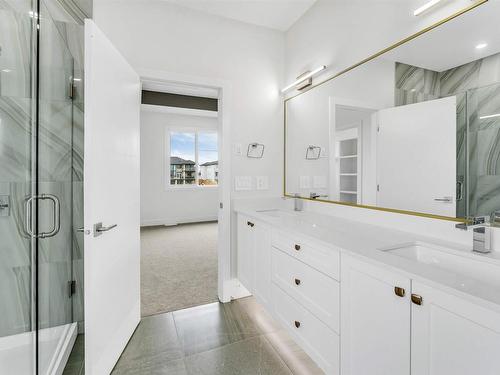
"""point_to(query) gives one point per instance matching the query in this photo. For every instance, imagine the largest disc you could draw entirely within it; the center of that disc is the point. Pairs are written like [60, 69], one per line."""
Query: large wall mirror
[415, 129]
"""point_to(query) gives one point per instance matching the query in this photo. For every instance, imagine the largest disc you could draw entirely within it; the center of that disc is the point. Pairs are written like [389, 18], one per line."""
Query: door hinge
[378, 187]
[71, 92]
[71, 288]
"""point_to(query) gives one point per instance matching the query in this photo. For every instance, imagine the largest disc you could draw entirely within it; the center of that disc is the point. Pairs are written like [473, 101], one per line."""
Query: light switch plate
[262, 182]
[243, 183]
[237, 149]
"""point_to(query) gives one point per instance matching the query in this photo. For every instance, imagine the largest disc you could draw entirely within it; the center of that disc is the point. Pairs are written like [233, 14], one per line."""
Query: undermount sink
[468, 264]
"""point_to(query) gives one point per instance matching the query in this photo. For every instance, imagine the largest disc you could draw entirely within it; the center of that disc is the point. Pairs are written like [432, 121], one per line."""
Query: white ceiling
[275, 14]
[453, 44]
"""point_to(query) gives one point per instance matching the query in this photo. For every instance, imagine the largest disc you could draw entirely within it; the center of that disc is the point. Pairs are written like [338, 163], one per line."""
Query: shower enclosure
[41, 184]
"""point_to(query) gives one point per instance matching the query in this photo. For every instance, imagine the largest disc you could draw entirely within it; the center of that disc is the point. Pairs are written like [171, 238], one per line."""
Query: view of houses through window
[194, 158]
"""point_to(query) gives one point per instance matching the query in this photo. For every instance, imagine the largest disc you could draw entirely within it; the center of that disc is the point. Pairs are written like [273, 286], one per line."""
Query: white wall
[340, 33]
[159, 204]
[161, 36]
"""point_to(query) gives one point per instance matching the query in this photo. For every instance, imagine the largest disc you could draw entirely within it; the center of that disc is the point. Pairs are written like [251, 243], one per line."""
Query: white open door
[111, 191]
[416, 157]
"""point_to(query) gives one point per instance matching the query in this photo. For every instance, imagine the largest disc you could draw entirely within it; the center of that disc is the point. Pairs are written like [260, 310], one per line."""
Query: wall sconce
[304, 80]
[426, 6]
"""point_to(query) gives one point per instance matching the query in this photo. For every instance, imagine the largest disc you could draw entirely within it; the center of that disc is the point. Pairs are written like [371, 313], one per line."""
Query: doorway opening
[180, 177]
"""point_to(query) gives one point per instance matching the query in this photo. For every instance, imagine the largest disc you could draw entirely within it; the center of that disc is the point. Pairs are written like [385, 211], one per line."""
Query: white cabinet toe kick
[353, 317]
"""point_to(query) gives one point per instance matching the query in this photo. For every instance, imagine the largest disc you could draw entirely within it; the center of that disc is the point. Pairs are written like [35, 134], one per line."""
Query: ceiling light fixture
[304, 77]
[426, 6]
[481, 45]
[489, 116]
[6, 70]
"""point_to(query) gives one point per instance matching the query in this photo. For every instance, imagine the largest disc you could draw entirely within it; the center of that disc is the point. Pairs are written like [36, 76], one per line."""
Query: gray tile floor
[75, 365]
[214, 339]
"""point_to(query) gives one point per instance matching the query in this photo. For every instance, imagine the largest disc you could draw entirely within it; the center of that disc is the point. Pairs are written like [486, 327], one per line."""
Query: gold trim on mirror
[403, 41]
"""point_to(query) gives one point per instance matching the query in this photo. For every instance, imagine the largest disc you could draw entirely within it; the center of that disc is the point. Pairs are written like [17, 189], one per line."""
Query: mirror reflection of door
[416, 167]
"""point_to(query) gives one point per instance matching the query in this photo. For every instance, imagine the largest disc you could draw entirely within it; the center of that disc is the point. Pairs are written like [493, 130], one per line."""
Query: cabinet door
[262, 251]
[246, 252]
[451, 336]
[375, 321]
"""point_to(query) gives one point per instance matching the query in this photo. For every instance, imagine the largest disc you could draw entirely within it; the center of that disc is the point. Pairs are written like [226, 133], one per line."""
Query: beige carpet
[178, 267]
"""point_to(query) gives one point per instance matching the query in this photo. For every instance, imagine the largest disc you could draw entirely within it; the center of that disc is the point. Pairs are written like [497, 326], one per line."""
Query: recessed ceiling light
[6, 70]
[481, 45]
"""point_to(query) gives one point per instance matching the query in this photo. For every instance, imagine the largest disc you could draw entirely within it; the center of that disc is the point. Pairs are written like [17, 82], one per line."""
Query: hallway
[178, 267]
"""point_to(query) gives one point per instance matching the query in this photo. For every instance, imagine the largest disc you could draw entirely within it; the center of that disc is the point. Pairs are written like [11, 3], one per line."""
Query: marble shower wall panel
[415, 85]
[475, 74]
[15, 164]
[15, 50]
[15, 263]
[484, 149]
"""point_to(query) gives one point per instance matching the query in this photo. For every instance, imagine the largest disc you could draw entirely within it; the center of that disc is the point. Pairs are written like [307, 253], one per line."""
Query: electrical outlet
[243, 183]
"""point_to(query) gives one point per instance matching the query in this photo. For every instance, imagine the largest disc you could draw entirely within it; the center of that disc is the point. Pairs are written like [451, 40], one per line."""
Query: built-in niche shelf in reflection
[348, 163]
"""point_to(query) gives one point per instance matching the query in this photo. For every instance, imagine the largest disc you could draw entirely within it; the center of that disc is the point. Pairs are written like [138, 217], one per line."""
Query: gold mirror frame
[372, 57]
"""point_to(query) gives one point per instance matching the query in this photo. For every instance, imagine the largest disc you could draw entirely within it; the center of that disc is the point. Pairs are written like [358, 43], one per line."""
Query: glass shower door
[55, 195]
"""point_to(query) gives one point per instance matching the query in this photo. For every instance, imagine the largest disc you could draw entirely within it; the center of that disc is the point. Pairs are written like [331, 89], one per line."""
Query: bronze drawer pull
[250, 223]
[297, 281]
[416, 299]
[400, 292]
[297, 324]
[297, 247]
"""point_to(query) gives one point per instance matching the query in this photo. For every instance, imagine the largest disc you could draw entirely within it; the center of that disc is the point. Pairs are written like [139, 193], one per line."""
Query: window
[193, 158]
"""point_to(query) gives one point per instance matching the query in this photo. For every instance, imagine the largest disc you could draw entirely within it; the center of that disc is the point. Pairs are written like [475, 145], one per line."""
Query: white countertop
[364, 241]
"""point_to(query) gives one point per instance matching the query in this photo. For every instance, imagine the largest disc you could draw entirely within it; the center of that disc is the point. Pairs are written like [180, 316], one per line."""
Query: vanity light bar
[426, 6]
[304, 78]
[489, 116]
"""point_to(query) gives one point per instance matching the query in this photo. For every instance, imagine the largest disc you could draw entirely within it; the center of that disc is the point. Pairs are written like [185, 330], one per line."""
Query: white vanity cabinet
[422, 331]
[246, 253]
[254, 258]
[452, 336]
[375, 320]
[353, 316]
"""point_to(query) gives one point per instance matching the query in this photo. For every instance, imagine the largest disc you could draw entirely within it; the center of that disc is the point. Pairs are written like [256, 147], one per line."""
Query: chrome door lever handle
[444, 199]
[99, 228]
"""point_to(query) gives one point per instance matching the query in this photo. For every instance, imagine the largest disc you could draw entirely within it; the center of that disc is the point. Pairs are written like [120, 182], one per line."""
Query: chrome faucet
[481, 231]
[481, 238]
[298, 204]
[316, 195]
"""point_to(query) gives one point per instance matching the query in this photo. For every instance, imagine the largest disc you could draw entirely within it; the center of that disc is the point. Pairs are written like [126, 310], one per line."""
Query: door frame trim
[225, 285]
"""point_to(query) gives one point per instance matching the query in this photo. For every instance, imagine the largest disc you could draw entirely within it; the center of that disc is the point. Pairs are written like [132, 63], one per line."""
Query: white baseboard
[238, 290]
[177, 221]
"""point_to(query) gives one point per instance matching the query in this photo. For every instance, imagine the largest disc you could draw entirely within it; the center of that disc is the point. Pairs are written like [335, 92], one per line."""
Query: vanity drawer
[317, 292]
[322, 258]
[312, 335]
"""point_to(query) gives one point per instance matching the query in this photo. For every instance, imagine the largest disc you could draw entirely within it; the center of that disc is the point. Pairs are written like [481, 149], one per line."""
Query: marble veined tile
[16, 58]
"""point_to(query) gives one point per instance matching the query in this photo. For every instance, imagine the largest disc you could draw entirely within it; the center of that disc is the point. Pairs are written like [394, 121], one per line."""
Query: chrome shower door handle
[56, 223]
[100, 229]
